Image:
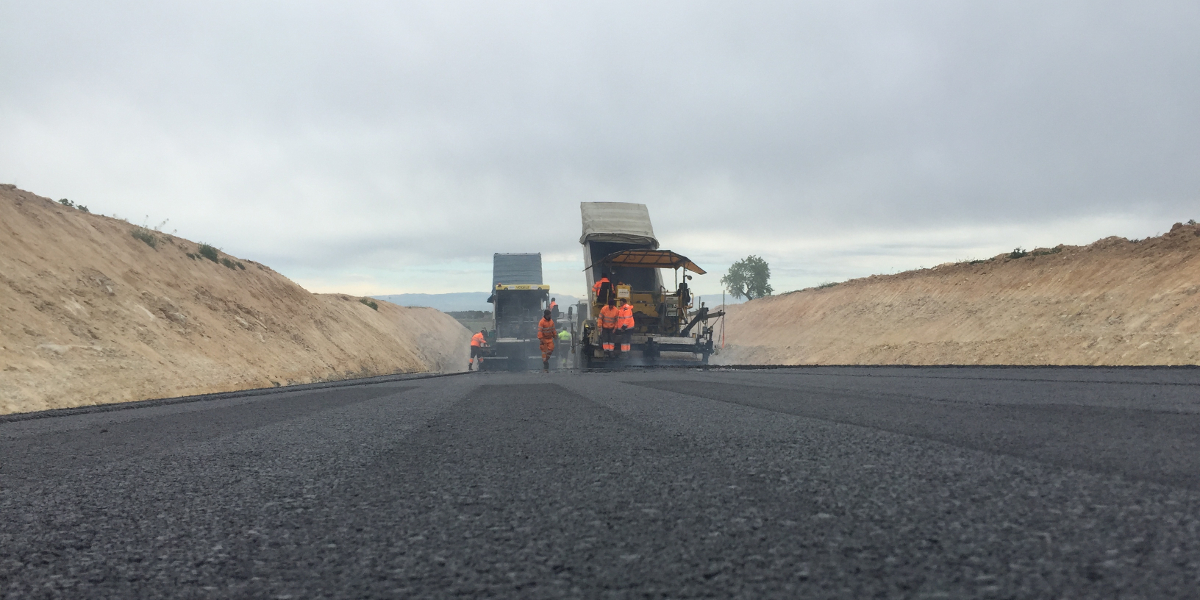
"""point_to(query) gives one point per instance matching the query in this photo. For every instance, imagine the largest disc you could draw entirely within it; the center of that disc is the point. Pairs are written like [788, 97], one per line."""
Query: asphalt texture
[808, 482]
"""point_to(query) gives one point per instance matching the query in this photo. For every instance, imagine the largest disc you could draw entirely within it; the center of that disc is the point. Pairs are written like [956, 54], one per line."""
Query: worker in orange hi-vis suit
[603, 290]
[547, 333]
[608, 326]
[625, 324]
[477, 344]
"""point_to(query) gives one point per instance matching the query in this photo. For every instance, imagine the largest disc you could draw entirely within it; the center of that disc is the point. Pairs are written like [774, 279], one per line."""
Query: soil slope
[1114, 302]
[90, 314]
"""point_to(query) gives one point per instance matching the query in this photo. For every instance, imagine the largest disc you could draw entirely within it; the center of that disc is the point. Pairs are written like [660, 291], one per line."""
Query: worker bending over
[625, 324]
[546, 335]
[477, 344]
[609, 316]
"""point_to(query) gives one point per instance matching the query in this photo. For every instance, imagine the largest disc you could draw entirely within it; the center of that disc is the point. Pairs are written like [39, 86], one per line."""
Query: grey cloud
[327, 134]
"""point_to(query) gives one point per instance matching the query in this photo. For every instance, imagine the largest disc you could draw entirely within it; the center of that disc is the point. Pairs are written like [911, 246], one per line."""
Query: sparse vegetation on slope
[70, 204]
[89, 316]
[208, 252]
[1113, 302]
[144, 235]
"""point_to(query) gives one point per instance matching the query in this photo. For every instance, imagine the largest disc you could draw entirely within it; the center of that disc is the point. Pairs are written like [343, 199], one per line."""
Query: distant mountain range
[458, 301]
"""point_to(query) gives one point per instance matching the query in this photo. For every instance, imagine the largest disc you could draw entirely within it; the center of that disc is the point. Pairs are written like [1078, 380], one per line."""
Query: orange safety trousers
[608, 324]
[626, 323]
[606, 339]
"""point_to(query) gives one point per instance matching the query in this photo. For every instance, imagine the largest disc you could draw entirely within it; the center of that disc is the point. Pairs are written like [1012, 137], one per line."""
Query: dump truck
[619, 243]
[518, 298]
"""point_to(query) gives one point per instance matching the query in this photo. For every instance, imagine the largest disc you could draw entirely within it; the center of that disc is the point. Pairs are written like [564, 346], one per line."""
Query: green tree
[749, 278]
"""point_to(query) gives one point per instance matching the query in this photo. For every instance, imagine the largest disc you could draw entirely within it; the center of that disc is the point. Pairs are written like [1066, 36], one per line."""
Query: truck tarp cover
[617, 222]
[515, 269]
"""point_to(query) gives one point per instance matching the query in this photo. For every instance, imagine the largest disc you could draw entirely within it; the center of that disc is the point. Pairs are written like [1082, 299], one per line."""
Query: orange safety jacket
[546, 329]
[625, 316]
[608, 317]
[598, 284]
[477, 340]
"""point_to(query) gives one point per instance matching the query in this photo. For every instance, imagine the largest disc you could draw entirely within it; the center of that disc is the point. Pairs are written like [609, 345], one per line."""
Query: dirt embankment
[91, 314]
[1114, 302]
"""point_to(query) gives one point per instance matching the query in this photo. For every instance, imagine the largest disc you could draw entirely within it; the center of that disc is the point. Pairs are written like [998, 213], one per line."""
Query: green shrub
[241, 266]
[228, 263]
[69, 204]
[982, 260]
[1054, 250]
[1018, 252]
[144, 234]
[827, 284]
[208, 252]
[1191, 221]
[369, 302]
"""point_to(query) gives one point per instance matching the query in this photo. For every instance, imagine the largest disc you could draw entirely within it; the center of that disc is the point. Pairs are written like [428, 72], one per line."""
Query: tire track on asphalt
[36, 454]
[536, 490]
[857, 371]
[1146, 445]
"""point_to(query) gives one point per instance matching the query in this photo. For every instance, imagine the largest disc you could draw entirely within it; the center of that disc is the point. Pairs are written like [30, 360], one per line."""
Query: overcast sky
[389, 147]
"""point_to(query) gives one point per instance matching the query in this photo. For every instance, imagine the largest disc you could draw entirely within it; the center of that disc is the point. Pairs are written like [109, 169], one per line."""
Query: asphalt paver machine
[518, 299]
[619, 243]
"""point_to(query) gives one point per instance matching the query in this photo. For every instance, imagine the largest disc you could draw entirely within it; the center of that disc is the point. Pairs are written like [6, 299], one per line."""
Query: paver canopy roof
[617, 222]
[650, 259]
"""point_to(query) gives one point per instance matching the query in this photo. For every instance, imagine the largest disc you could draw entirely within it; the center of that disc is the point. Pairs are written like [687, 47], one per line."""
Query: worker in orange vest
[553, 309]
[547, 333]
[609, 315]
[603, 290]
[477, 344]
[625, 324]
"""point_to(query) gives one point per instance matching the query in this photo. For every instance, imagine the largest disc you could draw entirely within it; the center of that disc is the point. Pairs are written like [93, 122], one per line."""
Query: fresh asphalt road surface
[823, 482]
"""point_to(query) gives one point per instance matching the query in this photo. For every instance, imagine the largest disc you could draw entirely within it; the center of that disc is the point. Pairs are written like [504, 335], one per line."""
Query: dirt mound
[1113, 302]
[91, 314]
